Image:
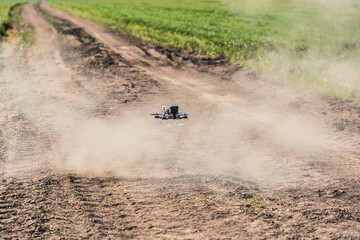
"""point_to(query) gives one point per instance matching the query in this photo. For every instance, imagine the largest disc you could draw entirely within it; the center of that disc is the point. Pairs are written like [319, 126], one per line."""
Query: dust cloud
[123, 146]
[257, 142]
[55, 125]
[252, 140]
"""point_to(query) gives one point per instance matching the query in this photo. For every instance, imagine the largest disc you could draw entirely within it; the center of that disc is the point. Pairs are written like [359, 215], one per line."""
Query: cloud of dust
[256, 141]
[127, 146]
[259, 142]
[57, 127]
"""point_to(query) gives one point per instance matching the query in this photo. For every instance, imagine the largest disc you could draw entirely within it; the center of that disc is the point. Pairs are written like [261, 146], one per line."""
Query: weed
[27, 37]
[5, 23]
[14, 20]
[260, 204]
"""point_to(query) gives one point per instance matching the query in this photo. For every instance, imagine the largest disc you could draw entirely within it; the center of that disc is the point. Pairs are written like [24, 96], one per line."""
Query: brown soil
[82, 158]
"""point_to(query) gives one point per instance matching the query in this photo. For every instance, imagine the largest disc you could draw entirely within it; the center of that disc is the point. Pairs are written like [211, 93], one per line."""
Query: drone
[170, 113]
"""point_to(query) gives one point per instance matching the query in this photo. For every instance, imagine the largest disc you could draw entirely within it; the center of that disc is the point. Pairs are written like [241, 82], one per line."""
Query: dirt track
[81, 157]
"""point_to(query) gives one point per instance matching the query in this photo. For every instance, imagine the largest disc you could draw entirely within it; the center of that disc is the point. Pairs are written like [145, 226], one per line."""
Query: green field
[200, 25]
[4, 9]
[236, 29]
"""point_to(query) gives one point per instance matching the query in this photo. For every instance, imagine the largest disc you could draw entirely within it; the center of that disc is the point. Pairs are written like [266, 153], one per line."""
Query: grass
[10, 18]
[5, 22]
[230, 28]
[202, 26]
[299, 40]
[26, 35]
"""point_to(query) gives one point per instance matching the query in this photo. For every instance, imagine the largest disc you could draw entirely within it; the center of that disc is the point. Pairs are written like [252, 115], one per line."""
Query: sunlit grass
[4, 17]
[12, 22]
[203, 26]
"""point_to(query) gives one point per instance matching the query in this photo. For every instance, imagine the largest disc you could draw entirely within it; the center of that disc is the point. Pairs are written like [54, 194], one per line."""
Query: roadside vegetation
[5, 22]
[312, 43]
[12, 23]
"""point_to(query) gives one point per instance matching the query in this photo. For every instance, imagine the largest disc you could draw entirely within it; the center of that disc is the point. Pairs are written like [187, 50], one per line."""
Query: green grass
[312, 43]
[231, 28]
[203, 26]
[10, 17]
[5, 22]
[259, 204]
[26, 35]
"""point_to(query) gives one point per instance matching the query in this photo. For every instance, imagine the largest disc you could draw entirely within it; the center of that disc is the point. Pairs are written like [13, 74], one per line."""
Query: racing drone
[170, 113]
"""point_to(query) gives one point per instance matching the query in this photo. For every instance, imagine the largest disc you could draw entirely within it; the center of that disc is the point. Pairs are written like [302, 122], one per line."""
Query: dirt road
[81, 157]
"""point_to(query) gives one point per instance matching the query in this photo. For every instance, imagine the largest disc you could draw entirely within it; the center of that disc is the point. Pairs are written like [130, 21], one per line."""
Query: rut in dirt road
[81, 157]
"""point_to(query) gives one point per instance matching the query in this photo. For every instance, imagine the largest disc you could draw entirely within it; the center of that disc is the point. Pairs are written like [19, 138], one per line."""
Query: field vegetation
[10, 18]
[312, 43]
[5, 22]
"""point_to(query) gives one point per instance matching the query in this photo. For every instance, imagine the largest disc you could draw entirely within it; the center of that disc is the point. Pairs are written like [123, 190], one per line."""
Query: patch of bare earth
[81, 158]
